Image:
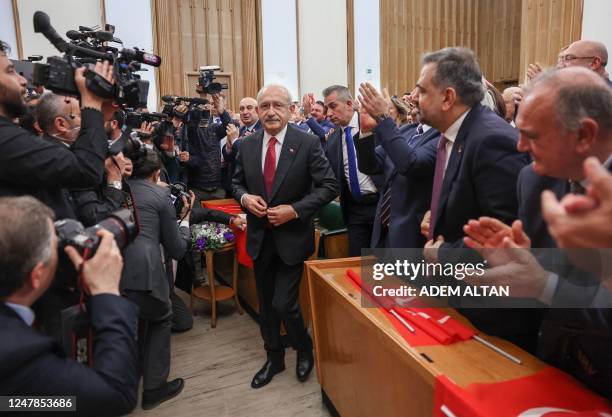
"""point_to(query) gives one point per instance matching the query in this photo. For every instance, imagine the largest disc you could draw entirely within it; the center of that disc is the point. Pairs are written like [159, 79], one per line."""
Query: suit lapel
[290, 148]
[454, 161]
[255, 162]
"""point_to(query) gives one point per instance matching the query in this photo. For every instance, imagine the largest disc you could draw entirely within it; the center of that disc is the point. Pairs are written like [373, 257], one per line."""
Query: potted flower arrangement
[209, 235]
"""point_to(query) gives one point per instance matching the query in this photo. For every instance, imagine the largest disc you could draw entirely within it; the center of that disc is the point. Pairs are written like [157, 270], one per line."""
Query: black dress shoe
[304, 364]
[265, 374]
[151, 398]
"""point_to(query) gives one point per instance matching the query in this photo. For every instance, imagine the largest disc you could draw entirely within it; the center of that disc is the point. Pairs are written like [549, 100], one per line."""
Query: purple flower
[229, 236]
[201, 243]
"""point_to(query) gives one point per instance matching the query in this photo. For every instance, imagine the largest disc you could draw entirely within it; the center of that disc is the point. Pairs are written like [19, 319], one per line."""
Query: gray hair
[341, 91]
[580, 94]
[457, 68]
[282, 87]
[48, 108]
[25, 240]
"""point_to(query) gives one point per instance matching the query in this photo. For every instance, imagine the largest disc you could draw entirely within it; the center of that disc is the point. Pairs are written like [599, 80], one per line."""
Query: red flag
[547, 393]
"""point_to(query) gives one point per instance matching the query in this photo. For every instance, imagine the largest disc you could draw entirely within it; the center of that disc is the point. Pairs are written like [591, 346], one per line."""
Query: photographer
[204, 164]
[144, 279]
[31, 363]
[29, 165]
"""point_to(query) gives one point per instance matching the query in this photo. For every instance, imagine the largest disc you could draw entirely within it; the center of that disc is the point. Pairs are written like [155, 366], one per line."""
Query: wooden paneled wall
[547, 26]
[193, 33]
[506, 35]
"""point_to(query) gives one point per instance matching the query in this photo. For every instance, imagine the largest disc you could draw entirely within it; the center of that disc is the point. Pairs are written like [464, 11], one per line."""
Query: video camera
[71, 232]
[134, 119]
[171, 102]
[178, 190]
[205, 81]
[85, 49]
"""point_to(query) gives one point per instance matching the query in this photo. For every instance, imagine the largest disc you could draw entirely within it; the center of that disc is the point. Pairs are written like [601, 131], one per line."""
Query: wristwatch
[115, 184]
[382, 117]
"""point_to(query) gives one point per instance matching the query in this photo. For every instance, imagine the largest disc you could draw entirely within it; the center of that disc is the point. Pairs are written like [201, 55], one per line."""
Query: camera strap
[129, 204]
[77, 331]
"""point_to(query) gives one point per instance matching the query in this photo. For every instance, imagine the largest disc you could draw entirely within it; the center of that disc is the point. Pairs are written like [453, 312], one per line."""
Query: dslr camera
[72, 233]
[177, 191]
[206, 84]
[85, 49]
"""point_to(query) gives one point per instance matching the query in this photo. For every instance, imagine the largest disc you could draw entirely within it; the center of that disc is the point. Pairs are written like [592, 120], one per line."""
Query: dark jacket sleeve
[230, 156]
[110, 386]
[325, 185]
[29, 160]
[92, 206]
[370, 157]
[418, 162]
[203, 214]
[175, 240]
[221, 128]
[239, 180]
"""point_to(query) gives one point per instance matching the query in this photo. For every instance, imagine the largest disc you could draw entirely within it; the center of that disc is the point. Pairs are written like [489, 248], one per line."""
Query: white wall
[65, 15]
[278, 18]
[596, 19]
[367, 42]
[7, 27]
[124, 15]
[322, 45]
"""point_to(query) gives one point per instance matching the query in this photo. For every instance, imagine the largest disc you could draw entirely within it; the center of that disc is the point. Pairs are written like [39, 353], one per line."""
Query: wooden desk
[367, 369]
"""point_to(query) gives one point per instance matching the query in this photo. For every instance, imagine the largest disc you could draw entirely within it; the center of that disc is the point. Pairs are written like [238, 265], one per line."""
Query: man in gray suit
[144, 279]
[282, 178]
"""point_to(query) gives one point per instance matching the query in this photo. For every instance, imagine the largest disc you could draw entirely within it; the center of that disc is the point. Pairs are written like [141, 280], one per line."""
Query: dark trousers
[217, 193]
[278, 286]
[359, 236]
[360, 221]
[154, 332]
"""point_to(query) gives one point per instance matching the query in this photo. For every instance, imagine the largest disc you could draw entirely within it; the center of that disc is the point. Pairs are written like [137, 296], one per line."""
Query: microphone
[143, 57]
[42, 24]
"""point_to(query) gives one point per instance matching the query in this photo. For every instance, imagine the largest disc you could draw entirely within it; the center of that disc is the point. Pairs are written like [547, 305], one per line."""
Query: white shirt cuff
[550, 288]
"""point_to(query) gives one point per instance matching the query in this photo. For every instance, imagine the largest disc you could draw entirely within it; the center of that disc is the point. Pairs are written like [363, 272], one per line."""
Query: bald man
[250, 123]
[588, 54]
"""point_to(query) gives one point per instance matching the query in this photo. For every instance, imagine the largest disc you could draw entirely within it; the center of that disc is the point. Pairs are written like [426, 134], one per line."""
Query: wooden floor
[218, 365]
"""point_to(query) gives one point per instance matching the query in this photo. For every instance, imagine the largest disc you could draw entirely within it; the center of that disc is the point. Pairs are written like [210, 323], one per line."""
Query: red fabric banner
[432, 326]
[547, 393]
[234, 208]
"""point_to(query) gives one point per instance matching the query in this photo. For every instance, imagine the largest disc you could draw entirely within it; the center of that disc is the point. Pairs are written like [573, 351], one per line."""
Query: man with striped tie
[406, 192]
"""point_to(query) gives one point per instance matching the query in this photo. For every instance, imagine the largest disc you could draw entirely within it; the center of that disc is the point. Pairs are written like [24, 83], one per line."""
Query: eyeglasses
[570, 58]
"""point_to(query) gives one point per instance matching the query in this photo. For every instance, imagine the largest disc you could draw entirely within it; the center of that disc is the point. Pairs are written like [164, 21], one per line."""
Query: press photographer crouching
[31, 363]
[145, 281]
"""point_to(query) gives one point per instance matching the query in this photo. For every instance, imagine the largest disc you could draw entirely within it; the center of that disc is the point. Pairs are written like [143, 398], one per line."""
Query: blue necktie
[419, 132]
[352, 164]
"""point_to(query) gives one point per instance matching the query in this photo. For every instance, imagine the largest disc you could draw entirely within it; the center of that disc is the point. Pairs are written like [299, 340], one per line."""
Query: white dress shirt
[451, 135]
[280, 138]
[366, 185]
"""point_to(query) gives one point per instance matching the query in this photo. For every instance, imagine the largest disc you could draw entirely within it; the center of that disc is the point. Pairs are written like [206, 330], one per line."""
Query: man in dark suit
[358, 191]
[565, 118]
[404, 198]
[476, 168]
[317, 122]
[250, 124]
[282, 178]
[33, 364]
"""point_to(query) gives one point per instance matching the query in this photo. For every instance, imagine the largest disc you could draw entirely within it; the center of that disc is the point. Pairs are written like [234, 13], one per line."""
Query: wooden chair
[214, 292]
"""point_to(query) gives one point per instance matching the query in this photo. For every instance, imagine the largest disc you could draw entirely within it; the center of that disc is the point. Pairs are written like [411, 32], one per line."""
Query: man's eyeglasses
[570, 58]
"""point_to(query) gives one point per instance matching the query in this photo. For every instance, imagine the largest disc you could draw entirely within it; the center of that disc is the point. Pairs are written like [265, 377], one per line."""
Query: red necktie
[270, 166]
